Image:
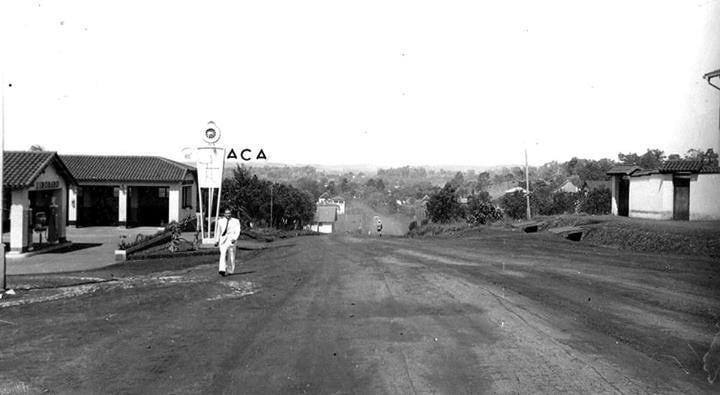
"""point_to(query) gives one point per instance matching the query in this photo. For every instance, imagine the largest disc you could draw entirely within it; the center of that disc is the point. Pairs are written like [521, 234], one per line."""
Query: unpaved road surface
[496, 312]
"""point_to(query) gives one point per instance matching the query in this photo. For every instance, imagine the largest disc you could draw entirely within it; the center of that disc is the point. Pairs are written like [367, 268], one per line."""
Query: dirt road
[499, 312]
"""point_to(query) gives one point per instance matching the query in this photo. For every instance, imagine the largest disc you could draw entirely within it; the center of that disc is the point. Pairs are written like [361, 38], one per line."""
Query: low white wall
[705, 197]
[651, 196]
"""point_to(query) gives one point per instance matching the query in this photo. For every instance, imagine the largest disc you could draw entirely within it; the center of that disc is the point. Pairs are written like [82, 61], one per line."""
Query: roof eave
[712, 74]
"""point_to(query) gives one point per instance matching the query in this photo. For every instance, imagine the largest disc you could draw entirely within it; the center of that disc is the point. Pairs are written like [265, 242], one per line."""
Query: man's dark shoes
[222, 274]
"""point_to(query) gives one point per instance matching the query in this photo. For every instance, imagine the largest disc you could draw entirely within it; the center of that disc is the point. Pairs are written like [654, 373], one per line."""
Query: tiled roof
[674, 166]
[22, 168]
[645, 172]
[623, 169]
[710, 169]
[326, 214]
[96, 168]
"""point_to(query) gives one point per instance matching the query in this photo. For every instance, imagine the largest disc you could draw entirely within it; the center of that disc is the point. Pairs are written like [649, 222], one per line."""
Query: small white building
[325, 218]
[34, 195]
[678, 189]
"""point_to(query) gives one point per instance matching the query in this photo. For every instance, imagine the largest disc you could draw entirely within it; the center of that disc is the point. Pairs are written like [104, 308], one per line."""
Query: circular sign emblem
[211, 135]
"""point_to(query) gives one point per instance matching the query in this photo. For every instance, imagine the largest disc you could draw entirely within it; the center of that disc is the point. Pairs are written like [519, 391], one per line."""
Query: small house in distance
[325, 218]
[678, 189]
[336, 201]
[569, 186]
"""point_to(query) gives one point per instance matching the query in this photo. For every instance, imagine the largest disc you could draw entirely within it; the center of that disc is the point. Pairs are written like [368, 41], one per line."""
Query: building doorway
[97, 206]
[623, 196]
[681, 199]
[147, 206]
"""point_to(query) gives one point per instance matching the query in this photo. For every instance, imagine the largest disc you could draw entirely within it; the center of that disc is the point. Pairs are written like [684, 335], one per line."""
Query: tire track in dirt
[544, 286]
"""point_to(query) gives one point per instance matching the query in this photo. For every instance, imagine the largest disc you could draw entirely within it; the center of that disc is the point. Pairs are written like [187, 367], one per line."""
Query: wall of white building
[651, 196]
[21, 218]
[705, 197]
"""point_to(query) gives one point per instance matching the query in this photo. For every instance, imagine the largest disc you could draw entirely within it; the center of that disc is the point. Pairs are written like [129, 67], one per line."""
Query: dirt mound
[643, 235]
[638, 239]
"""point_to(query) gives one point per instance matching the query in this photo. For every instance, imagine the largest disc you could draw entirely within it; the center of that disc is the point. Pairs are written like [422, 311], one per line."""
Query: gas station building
[129, 190]
[44, 190]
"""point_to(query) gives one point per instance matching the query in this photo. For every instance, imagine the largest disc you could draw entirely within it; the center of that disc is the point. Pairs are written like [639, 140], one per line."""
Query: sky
[387, 83]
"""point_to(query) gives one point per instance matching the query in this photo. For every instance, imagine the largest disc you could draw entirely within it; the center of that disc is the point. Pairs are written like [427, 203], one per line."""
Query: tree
[310, 186]
[483, 181]
[652, 159]
[709, 157]
[331, 189]
[513, 204]
[480, 210]
[630, 159]
[247, 194]
[458, 181]
[443, 206]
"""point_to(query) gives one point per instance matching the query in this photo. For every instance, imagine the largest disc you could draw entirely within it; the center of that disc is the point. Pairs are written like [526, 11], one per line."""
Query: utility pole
[709, 77]
[271, 205]
[3, 268]
[527, 186]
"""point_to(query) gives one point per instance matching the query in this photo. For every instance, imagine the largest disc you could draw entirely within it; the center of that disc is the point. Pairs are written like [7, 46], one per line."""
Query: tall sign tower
[210, 161]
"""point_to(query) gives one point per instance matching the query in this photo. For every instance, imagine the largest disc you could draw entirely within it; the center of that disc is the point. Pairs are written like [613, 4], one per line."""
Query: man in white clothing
[228, 231]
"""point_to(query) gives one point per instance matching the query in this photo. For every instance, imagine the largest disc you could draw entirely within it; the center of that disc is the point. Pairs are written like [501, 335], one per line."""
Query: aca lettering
[246, 155]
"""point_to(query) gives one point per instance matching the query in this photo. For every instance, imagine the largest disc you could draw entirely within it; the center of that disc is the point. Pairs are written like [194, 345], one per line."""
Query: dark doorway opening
[681, 199]
[147, 206]
[97, 206]
[623, 197]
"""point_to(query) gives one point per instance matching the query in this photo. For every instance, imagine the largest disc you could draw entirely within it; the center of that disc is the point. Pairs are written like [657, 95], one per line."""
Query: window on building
[162, 192]
[187, 196]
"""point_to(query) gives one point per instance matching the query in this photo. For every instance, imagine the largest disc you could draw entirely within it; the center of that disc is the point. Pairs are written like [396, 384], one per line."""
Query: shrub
[514, 204]
[562, 203]
[597, 202]
[413, 226]
[480, 211]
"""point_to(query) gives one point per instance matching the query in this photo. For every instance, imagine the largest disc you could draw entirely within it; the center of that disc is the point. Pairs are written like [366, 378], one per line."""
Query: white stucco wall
[615, 190]
[72, 205]
[19, 220]
[651, 196]
[323, 227]
[704, 197]
[122, 205]
[174, 202]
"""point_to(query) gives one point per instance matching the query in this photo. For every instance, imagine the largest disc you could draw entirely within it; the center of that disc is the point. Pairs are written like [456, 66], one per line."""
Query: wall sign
[42, 185]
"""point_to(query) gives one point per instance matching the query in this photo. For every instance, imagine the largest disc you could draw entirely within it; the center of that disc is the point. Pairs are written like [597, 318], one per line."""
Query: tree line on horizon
[400, 190]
